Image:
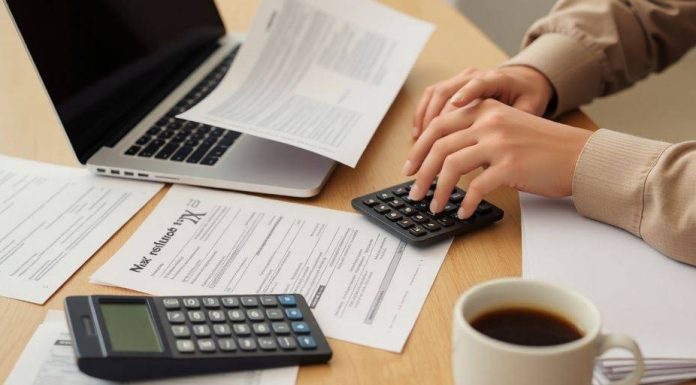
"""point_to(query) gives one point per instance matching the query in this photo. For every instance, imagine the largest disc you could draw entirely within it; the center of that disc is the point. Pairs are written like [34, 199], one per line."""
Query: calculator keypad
[238, 324]
[412, 220]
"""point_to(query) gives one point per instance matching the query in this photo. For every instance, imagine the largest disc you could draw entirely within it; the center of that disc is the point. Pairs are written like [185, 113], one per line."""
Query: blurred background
[660, 107]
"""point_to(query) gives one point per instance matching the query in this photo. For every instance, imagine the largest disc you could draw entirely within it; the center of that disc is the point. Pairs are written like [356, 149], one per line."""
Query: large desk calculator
[125, 338]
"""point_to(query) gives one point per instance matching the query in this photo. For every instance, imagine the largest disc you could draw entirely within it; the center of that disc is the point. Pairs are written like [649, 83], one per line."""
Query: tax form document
[363, 284]
[53, 218]
[316, 74]
[48, 358]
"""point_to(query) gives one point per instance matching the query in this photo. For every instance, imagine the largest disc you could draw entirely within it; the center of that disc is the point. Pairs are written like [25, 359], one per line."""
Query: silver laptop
[119, 71]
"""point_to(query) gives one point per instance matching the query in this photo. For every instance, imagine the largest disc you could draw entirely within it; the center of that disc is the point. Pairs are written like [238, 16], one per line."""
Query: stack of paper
[639, 291]
[316, 74]
[363, 284]
[53, 219]
[48, 358]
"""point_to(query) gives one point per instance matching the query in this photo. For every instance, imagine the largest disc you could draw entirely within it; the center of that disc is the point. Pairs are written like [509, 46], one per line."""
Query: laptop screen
[106, 63]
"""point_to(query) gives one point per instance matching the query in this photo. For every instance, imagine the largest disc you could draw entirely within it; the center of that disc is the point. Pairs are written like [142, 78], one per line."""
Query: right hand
[518, 86]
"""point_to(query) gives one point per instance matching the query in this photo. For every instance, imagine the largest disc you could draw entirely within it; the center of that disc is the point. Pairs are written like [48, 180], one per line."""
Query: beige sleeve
[643, 186]
[590, 48]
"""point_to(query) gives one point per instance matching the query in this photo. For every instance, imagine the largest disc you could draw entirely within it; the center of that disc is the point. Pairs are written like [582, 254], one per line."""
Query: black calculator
[413, 222]
[128, 338]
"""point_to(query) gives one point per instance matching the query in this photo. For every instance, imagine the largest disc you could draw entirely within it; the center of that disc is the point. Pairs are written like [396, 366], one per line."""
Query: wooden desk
[29, 129]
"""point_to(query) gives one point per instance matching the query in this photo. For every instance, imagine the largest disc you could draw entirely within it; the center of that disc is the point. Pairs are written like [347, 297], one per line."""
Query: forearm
[590, 48]
[643, 186]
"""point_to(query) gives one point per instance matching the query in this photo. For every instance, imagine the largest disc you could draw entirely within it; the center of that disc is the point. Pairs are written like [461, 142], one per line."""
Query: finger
[442, 94]
[488, 181]
[454, 166]
[490, 86]
[529, 105]
[420, 111]
[449, 107]
[442, 126]
[433, 162]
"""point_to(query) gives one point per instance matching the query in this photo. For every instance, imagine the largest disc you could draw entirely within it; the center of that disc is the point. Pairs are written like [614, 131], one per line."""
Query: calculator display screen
[130, 327]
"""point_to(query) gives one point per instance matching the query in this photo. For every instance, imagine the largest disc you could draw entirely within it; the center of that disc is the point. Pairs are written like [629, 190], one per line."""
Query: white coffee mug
[481, 360]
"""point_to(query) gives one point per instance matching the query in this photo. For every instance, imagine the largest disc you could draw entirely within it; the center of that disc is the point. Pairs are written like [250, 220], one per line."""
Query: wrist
[540, 85]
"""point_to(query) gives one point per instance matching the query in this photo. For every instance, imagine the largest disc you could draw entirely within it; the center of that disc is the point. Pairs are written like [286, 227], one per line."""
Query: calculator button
[192, 303]
[247, 344]
[382, 208]
[268, 301]
[170, 303]
[222, 330]
[457, 197]
[429, 194]
[445, 221]
[201, 330]
[450, 208]
[418, 231]
[307, 342]
[267, 343]
[227, 344]
[235, 315]
[396, 203]
[250, 301]
[206, 345]
[405, 223]
[175, 317]
[408, 211]
[196, 316]
[384, 196]
[261, 329]
[241, 329]
[421, 206]
[274, 314]
[393, 216]
[471, 219]
[287, 343]
[409, 200]
[484, 207]
[293, 313]
[280, 328]
[287, 300]
[369, 202]
[300, 327]
[185, 346]
[230, 301]
[401, 191]
[181, 331]
[211, 302]
[431, 226]
[216, 316]
[419, 218]
[254, 315]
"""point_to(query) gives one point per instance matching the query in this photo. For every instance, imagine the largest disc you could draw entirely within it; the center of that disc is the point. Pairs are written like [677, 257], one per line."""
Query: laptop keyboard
[181, 140]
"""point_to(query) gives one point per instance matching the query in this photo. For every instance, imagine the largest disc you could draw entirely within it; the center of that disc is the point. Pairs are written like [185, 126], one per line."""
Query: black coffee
[526, 326]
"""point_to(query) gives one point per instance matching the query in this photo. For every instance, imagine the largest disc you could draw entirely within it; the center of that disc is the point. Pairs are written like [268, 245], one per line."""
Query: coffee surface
[526, 326]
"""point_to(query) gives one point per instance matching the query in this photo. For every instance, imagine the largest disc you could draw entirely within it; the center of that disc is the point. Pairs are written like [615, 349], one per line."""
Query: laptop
[119, 71]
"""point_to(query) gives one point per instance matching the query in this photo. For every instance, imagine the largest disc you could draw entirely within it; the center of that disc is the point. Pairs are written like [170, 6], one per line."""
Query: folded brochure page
[49, 358]
[55, 218]
[316, 74]
[363, 284]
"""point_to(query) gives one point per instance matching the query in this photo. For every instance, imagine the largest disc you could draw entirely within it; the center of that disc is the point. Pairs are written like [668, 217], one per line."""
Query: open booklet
[316, 74]
[638, 291]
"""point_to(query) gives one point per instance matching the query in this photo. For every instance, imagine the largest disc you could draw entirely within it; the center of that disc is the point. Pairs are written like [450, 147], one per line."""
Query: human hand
[515, 149]
[521, 87]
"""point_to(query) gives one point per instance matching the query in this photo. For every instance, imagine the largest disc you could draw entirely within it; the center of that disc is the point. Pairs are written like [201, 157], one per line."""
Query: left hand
[516, 149]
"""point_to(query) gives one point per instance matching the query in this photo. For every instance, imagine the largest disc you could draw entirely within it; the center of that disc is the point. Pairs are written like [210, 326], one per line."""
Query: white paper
[48, 358]
[53, 218]
[639, 291]
[316, 74]
[363, 284]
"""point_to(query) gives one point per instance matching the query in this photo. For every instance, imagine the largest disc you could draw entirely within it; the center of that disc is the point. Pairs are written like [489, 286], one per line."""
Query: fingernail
[414, 131]
[460, 213]
[434, 206]
[413, 194]
[406, 170]
[456, 97]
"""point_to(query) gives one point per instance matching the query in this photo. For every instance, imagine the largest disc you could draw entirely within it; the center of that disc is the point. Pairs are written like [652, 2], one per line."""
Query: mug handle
[622, 341]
